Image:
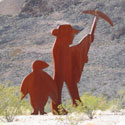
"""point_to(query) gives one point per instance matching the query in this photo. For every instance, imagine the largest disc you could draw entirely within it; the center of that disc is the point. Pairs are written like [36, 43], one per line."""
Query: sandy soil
[101, 118]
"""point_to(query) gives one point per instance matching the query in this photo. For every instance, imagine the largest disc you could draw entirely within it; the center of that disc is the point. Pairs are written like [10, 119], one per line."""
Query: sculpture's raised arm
[93, 27]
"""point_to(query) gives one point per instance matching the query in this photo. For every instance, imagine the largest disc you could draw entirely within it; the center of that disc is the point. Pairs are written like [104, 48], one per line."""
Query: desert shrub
[89, 105]
[122, 97]
[118, 103]
[93, 103]
[10, 104]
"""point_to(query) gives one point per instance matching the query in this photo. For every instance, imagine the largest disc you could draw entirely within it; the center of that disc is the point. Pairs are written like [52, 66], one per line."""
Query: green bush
[118, 103]
[121, 94]
[10, 103]
[93, 103]
[88, 105]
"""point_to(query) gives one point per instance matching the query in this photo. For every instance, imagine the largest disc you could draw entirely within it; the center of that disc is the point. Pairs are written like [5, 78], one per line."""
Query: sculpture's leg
[73, 90]
[35, 107]
[35, 112]
[42, 111]
[43, 102]
[54, 107]
[77, 97]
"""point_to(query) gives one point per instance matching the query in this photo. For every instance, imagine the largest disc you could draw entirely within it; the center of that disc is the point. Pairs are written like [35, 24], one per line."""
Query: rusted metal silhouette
[69, 61]
[40, 86]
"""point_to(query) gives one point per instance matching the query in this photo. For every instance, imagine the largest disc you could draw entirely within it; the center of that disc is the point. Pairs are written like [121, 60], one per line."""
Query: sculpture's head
[65, 33]
[38, 65]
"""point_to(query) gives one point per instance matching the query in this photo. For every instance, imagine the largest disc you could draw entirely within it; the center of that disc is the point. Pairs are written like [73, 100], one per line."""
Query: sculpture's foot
[57, 109]
[79, 104]
[60, 112]
[63, 112]
[43, 113]
[34, 113]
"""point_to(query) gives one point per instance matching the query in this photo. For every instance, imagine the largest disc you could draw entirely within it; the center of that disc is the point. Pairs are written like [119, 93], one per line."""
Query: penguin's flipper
[24, 86]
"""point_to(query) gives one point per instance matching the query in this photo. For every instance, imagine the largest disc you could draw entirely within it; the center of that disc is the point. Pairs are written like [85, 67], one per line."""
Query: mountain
[11, 7]
[25, 35]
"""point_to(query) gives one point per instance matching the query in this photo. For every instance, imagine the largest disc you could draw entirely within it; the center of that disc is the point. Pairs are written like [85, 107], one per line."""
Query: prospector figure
[69, 61]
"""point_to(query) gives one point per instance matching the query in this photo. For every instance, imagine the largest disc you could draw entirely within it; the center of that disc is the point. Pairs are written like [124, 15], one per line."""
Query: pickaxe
[100, 14]
[97, 14]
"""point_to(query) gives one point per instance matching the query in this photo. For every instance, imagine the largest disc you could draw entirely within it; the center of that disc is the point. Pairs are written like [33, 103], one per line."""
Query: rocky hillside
[26, 36]
[11, 7]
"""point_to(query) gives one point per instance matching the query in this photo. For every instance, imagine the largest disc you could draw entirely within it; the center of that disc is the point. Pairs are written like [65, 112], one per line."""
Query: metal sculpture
[40, 86]
[69, 61]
